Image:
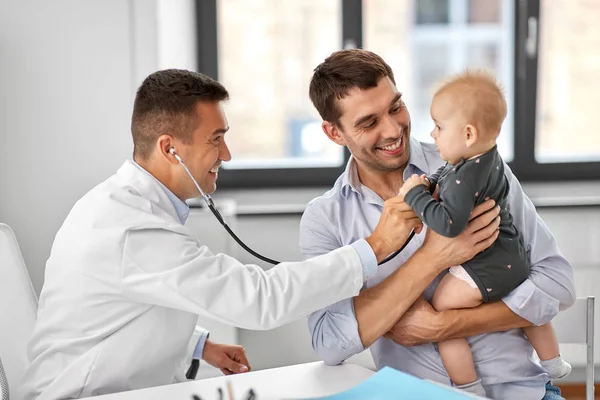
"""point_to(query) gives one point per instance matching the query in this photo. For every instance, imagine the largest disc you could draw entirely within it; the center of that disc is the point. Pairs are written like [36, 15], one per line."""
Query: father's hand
[419, 325]
[481, 232]
[394, 226]
[229, 359]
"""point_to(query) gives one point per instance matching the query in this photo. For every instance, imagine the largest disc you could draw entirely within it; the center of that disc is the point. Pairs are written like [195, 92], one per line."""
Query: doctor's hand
[230, 359]
[420, 324]
[394, 226]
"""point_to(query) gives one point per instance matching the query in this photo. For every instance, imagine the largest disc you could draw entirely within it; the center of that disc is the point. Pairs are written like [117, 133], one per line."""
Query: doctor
[126, 280]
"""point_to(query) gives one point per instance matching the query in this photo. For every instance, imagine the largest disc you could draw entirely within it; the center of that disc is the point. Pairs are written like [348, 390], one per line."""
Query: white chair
[576, 326]
[18, 308]
[3, 384]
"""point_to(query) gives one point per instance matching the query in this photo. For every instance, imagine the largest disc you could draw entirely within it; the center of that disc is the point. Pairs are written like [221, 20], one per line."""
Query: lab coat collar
[181, 207]
[148, 186]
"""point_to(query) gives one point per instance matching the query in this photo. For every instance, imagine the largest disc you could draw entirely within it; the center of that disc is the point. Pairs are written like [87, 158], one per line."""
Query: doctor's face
[208, 149]
[375, 125]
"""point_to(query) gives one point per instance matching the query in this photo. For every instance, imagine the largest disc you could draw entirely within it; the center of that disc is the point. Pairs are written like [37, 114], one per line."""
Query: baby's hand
[426, 181]
[414, 180]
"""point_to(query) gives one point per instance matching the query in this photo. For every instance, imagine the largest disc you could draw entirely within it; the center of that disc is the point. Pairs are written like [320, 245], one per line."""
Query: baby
[468, 111]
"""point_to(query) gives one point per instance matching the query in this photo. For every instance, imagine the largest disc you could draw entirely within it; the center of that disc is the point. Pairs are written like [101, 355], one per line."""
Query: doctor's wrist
[379, 247]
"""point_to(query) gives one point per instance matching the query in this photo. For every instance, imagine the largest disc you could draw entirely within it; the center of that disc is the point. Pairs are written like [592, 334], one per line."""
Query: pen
[230, 390]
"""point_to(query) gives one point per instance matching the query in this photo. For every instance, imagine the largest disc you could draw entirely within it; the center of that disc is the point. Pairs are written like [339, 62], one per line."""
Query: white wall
[65, 101]
[176, 41]
[68, 74]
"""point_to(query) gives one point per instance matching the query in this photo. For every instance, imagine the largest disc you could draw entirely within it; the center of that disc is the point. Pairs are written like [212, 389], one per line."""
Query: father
[355, 94]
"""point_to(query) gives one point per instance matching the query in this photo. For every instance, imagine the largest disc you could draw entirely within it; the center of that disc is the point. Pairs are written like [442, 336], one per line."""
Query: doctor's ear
[165, 147]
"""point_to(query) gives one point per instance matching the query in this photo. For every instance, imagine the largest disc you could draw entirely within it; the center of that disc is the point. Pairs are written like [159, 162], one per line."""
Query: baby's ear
[471, 135]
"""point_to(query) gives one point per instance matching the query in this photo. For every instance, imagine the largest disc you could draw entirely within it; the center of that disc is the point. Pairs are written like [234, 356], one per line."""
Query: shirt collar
[417, 164]
[181, 207]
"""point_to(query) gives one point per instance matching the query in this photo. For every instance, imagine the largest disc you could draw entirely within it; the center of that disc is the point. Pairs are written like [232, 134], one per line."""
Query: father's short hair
[165, 103]
[341, 72]
[479, 96]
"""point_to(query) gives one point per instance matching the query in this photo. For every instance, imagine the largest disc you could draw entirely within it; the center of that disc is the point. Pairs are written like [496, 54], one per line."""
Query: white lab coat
[125, 283]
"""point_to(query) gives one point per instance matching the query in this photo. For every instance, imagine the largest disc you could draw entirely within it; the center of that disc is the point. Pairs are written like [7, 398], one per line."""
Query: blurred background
[69, 70]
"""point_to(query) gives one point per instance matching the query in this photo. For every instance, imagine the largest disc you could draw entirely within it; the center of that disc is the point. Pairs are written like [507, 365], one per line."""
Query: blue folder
[389, 383]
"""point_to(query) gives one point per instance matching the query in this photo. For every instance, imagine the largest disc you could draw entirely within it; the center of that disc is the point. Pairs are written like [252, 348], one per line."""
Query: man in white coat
[126, 279]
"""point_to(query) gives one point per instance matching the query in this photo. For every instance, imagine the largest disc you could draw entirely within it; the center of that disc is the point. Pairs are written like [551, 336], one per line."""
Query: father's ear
[333, 133]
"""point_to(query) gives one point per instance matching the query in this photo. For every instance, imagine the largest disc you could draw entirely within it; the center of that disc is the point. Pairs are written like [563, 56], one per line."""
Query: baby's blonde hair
[480, 96]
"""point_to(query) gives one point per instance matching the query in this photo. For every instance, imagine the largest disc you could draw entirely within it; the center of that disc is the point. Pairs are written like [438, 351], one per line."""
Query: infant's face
[449, 129]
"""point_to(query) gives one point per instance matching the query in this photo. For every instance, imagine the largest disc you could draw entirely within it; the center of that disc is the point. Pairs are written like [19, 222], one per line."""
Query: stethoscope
[211, 205]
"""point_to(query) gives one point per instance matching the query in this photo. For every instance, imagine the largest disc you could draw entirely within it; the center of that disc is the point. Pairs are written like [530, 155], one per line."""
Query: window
[568, 82]
[430, 11]
[541, 51]
[267, 51]
[557, 80]
[426, 40]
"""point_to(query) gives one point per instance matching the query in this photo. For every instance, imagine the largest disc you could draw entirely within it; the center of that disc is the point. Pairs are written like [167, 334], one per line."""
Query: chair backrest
[18, 307]
[3, 384]
[576, 326]
[572, 325]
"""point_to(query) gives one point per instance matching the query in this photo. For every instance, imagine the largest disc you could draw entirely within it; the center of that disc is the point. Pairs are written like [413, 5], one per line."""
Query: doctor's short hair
[341, 72]
[165, 103]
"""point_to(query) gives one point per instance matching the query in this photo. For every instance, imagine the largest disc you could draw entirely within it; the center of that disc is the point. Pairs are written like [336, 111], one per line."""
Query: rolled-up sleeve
[334, 332]
[550, 286]
[333, 329]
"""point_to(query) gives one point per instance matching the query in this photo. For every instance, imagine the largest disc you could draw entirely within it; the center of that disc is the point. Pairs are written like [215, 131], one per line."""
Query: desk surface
[297, 381]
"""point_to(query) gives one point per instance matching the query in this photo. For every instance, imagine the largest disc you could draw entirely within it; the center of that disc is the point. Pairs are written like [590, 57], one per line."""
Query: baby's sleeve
[434, 178]
[449, 216]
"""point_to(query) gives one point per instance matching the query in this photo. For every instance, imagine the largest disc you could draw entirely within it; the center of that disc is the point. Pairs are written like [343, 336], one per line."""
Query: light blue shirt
[504, 360]
[183, 212]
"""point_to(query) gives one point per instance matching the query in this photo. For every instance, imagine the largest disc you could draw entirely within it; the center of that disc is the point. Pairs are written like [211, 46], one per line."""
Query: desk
[296, 381]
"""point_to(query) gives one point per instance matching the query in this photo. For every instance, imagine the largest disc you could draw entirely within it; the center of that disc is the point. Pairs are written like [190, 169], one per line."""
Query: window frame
[523, 165]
